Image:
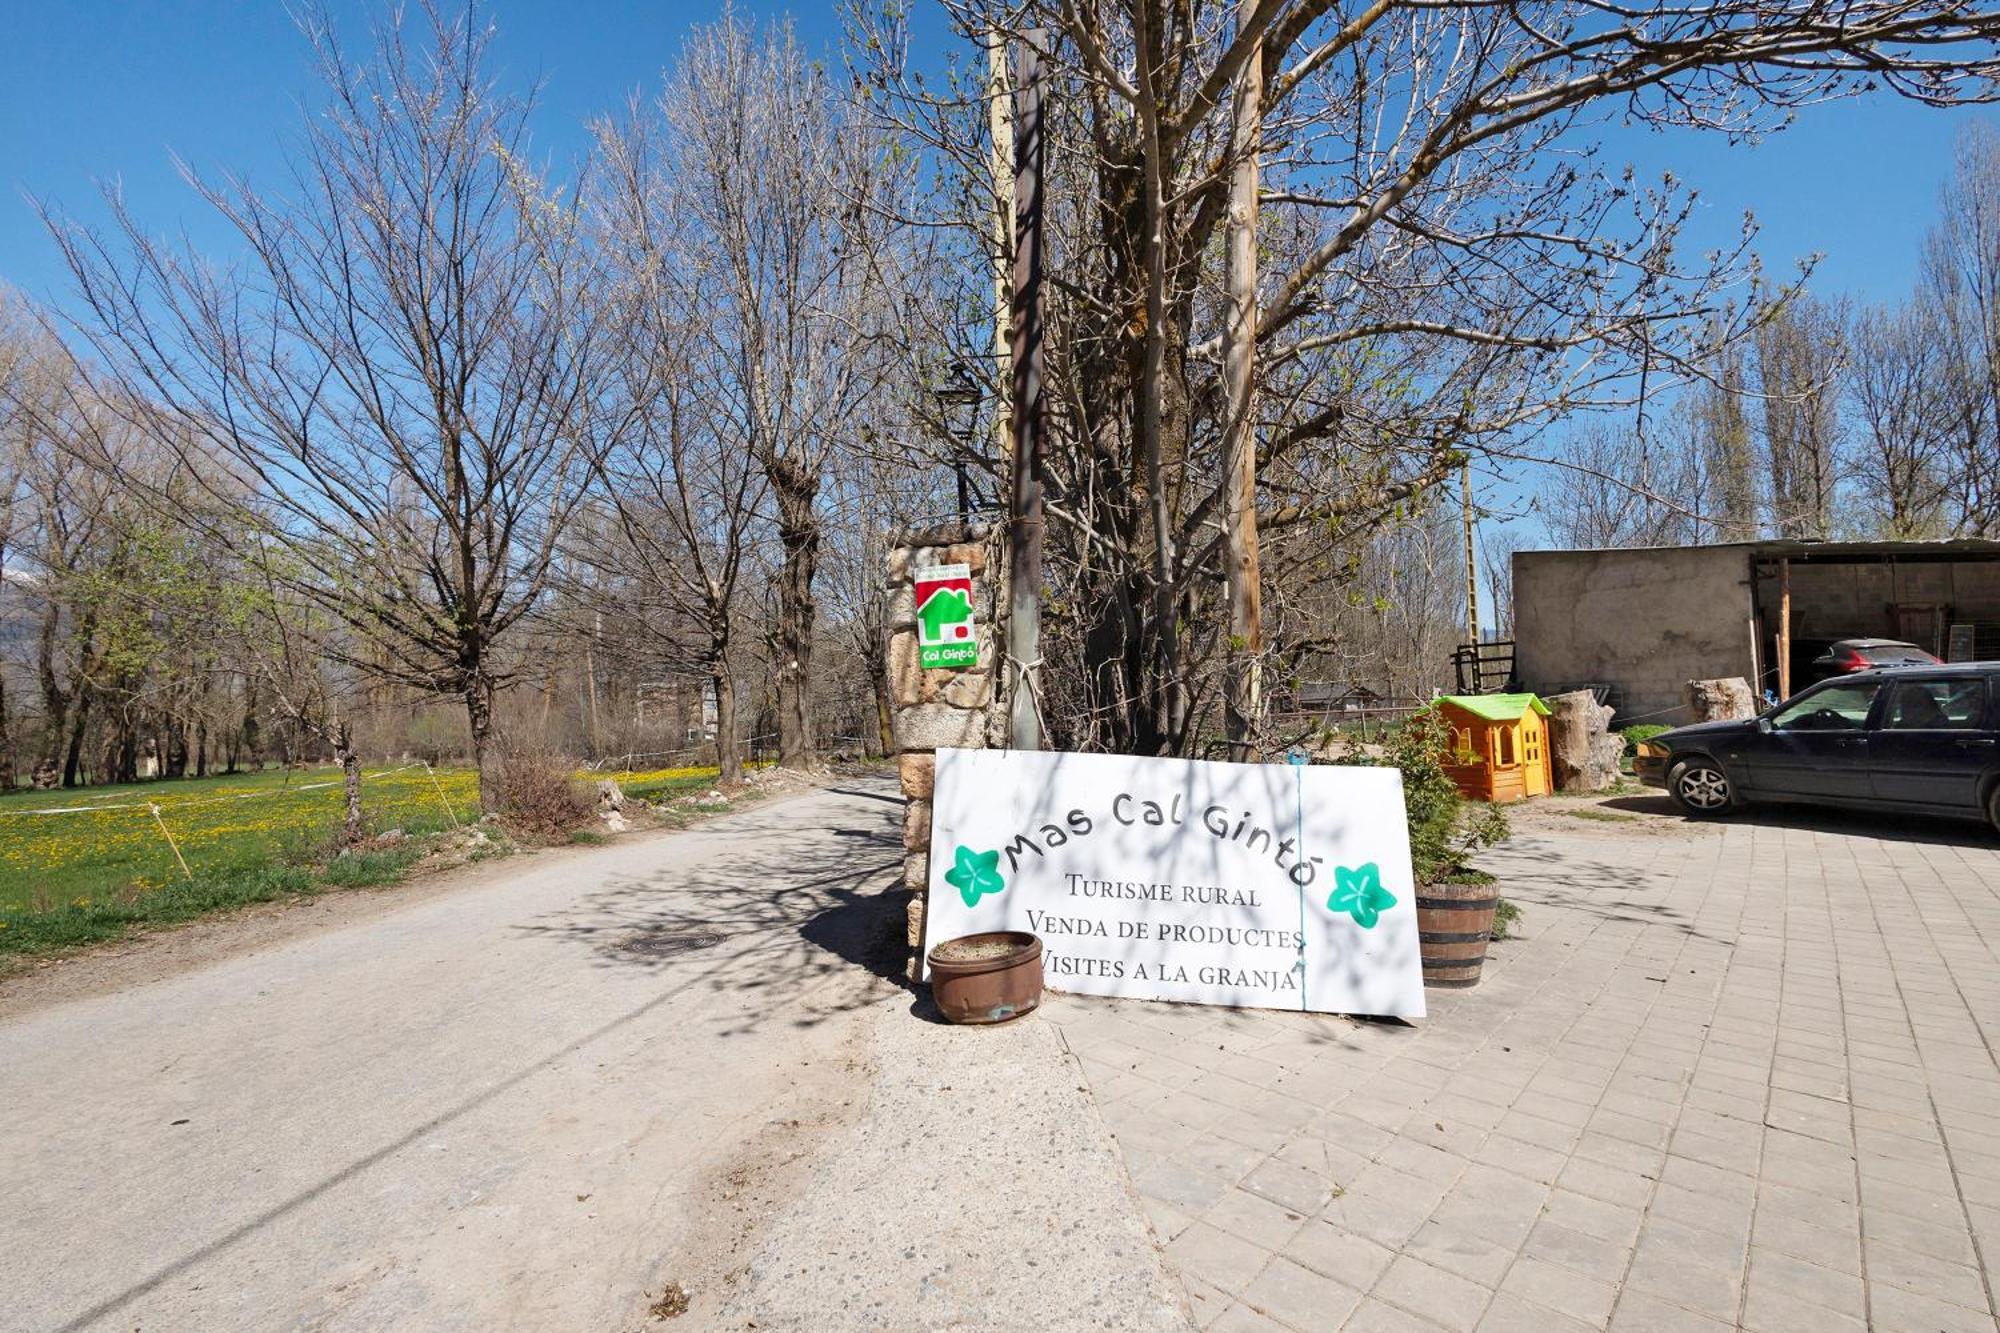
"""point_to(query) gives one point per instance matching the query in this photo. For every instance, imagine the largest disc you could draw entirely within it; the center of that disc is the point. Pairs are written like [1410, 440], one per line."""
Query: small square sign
[944, 617]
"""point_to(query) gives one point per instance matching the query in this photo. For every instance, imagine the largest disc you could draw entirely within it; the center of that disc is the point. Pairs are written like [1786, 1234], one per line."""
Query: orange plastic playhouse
[1500, 745]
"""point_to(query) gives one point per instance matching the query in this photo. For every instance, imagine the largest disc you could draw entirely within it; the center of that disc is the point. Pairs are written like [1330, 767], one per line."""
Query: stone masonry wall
[931, 710]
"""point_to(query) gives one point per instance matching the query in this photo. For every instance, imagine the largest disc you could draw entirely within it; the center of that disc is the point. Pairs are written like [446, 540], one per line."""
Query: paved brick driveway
[1741, 1077]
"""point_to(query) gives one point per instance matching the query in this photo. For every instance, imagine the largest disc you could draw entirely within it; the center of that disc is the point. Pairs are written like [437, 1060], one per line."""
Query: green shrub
[92, 920]
[1445, 828]
[370, 869]
[1645, 731]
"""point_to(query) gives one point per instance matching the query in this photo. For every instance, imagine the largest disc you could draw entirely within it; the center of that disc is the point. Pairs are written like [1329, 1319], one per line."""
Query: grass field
[86, 865]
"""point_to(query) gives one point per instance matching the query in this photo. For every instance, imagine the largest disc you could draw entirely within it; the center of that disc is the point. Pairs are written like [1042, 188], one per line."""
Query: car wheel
[1700, 788]
[1993, 807]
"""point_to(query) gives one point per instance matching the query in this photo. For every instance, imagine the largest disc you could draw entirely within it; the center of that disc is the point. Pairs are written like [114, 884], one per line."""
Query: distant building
[1638, 623]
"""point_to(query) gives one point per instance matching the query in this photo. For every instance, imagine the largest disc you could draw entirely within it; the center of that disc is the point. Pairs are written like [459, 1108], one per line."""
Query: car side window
[1935, 705]
[1835, 708]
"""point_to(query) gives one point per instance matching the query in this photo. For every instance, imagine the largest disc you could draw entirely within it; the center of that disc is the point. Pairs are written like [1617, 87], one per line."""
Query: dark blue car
[1915, 739]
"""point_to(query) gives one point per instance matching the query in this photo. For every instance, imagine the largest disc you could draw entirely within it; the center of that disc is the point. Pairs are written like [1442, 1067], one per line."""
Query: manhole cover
[668, 943]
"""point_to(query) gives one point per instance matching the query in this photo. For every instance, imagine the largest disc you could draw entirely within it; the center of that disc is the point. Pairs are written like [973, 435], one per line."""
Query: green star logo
[975, 875]
[1359, 893]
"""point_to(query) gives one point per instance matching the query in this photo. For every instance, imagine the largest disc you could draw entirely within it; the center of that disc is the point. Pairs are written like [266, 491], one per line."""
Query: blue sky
[108, 91]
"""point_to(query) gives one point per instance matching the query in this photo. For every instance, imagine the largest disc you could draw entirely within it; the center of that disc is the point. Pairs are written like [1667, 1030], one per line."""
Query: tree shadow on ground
[1936, 830]
[792, 926]
[788, 922]
[1537, 874]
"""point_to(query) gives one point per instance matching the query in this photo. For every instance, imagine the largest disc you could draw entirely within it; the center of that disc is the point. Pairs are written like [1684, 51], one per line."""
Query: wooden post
[1024, 523]
[185, 872]
[1756, 676]
[1784, 628]
[1471, 579]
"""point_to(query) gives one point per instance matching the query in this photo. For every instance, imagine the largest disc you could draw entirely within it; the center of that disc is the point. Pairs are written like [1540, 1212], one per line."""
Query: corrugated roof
[1496, 707]
[1802, 549]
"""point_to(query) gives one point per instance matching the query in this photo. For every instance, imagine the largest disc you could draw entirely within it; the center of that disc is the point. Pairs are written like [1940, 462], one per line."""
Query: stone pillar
[936, 709]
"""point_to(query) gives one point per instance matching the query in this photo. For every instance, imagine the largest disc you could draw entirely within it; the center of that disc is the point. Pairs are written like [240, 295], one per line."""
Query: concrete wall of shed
[1643, 622]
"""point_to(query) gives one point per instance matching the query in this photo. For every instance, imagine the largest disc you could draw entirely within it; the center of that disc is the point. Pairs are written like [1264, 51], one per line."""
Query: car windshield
[1836, 708]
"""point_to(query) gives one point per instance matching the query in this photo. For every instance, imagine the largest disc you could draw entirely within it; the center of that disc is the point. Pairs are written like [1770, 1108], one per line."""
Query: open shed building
[1636, 624]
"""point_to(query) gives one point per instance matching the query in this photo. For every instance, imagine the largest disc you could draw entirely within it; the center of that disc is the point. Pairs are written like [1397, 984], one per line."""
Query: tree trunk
[1169, 687]
[1243, 704]
[791, 637]
[485, 754]
[6, 743]
[248, 743]
[1583, 753]
[174, 752]
[73, 759]
[885, 731]
[728, 747]
[344, 753]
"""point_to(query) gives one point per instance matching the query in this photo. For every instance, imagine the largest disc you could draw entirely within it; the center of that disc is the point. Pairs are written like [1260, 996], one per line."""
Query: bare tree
[401, 371]
[1718, 411]
[687, 491]
[1443, 265]
[1800, 360]
[1613, 486]
[1961, 286]
[772, 181]
[1901, 393]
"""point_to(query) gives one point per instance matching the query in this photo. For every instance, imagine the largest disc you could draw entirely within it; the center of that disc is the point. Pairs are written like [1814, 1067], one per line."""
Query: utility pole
[1471, 571]
[1024, 517]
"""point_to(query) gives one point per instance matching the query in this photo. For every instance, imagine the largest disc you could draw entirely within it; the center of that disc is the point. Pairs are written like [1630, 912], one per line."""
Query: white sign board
[1261, 885]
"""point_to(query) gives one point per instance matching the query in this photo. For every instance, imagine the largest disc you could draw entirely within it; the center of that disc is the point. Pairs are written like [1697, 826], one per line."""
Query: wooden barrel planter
[1454, 925]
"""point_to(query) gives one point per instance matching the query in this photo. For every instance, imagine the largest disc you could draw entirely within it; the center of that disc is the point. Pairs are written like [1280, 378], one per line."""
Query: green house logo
[945, 636]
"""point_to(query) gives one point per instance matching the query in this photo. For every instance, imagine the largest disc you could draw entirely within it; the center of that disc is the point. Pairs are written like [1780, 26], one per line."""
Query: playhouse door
[1534, 767]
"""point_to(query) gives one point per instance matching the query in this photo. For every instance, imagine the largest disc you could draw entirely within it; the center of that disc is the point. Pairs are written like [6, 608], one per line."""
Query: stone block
[935, 726]
[917, 826]
[965, 689]
[906, 678]
[911, 684]
[917, 772]
[970, 554]
[902, 612]
[917, 871]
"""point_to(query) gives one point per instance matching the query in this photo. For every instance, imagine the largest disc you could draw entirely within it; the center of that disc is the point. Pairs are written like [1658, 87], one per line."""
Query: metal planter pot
[987, 978]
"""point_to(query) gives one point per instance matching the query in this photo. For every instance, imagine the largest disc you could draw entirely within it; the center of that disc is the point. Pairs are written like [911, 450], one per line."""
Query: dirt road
[504, 1106]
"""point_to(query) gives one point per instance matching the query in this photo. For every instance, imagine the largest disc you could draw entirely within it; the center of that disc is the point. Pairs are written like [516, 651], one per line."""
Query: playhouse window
[1503, 747]
[1461, 744]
